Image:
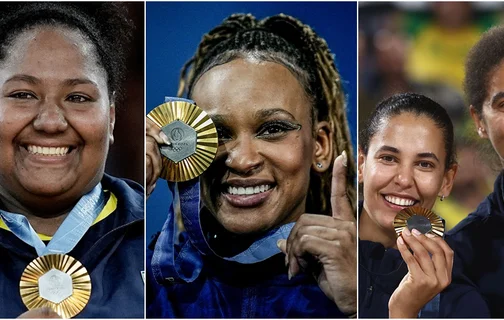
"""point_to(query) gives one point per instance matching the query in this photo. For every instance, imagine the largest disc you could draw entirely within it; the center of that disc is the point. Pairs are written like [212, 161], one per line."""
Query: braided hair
[106, 25]
[287, 41]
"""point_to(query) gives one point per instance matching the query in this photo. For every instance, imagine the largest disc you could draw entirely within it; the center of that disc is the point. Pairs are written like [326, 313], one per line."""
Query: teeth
[248, 190]
[400, 201]
[48, 151]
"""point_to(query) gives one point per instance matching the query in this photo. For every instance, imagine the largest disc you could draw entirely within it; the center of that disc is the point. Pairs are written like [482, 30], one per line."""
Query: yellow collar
[110, 207]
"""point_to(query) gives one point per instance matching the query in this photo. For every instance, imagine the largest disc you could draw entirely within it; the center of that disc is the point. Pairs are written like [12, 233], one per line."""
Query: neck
[369, 230]
[44, 221]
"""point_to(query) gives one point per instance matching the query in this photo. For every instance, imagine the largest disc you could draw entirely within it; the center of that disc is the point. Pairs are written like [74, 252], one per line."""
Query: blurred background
[174, 30]
[421, 47]
[127, 156]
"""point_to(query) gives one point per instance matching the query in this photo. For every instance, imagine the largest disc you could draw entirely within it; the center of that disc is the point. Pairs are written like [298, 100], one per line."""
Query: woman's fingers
[413, 240]
[341, 208]
[412, 263]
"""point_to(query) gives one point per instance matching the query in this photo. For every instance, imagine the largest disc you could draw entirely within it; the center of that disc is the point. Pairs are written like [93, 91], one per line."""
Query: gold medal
[424, 220]
[57, 281]
[193, 138]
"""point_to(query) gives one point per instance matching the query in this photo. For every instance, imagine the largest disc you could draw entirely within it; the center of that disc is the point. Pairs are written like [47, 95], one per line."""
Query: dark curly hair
[105, 24]
[418, 105]
[482, 59]
[287, 41]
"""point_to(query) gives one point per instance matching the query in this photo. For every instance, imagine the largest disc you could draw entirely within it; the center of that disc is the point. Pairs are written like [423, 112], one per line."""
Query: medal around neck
[193, 138]
[424, 220]
[57, 281]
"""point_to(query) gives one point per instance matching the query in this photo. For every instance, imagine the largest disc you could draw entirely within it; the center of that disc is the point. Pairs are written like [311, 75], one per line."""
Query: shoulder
[463, 301]
[129, 194]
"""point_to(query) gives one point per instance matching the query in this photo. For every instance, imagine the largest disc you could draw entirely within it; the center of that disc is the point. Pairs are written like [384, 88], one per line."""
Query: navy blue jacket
[478, 242]
[219, 288]
[380, 273]
[112, 251]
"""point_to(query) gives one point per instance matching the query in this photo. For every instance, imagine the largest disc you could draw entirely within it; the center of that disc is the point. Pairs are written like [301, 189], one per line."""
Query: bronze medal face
[193, 138]
[424, 220]
[57, 281]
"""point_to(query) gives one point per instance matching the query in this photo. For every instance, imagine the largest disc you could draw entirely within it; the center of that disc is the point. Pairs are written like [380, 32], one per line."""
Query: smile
[248, 190]
[48, 151]
[400, 201]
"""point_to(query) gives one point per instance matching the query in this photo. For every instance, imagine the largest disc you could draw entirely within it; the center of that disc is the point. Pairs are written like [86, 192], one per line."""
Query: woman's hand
[39, 313]
[429, 272]
[153, 162]
[332, 242]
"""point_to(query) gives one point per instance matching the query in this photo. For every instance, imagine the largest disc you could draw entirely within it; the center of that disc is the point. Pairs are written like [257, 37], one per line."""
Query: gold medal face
[193, 136]
[424, 220]
[57, 281]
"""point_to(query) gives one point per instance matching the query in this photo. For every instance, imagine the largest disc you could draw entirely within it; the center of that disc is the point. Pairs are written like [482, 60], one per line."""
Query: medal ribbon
[73, 228]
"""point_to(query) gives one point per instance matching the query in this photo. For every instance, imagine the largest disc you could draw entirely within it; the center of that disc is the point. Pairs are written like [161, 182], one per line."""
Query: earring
[481, 131]
[319, 165]
[441, 198]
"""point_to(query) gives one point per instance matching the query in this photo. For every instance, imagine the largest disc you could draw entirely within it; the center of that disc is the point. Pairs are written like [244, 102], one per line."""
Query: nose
[50, 118]
[404, 176]
[243, 157]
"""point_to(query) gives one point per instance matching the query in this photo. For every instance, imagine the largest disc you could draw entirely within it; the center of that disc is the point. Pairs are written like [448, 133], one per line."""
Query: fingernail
[286, 260]
[164, 138]
[430, 235]
[400, 240]
[345, 159]
[289, 274]
[416, 233]
[406, 232]
[278, 243]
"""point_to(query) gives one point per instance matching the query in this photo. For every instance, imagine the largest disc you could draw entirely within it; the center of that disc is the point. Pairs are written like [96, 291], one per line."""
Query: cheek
[429, 184]
[376, 177]
[496, 133]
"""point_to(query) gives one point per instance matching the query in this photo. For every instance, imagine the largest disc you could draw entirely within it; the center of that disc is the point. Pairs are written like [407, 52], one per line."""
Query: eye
[22, 95]
[77, 98]
[276, 129]
[426, 165]
[387, 158]
[223, 134]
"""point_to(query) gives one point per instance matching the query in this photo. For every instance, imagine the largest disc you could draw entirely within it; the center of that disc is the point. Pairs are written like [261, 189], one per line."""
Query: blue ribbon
[69, 233]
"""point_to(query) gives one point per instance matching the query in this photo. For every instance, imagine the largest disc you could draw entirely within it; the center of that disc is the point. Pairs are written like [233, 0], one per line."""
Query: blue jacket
[380, 273]
[112, 251]
[191, 280]
[478, 242]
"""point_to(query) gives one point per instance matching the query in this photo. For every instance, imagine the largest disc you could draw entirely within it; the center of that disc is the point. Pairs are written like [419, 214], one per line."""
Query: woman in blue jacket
[406, 159]
[477, 240]
[276, 97]
[61, 66]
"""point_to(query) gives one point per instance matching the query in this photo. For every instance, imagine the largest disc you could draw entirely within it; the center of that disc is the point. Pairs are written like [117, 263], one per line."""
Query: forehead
[45, 49]
[247, 86]
[409, 133]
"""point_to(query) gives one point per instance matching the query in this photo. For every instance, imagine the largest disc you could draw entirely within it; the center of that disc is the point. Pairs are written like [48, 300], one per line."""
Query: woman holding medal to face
[406, 161]
[71, 237]
[477, 240]
[273, 91]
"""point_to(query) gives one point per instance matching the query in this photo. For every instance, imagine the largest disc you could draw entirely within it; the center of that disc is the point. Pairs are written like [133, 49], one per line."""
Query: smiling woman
[275, 233]
[407, 159]
[60, 72]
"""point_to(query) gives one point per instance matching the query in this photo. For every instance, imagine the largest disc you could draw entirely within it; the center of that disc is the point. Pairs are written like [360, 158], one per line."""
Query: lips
[400, 200]
[48, 151]
[247, 193]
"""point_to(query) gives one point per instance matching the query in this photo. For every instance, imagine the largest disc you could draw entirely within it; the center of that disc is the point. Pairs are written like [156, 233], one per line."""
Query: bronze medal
[424, 220]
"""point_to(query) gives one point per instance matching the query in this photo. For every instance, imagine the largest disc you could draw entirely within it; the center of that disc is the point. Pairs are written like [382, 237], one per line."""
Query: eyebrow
[420, 155]
[77, 81]
[259, 115]
[266, 113]
[497, 97]
[24, 78]
[34, 81]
